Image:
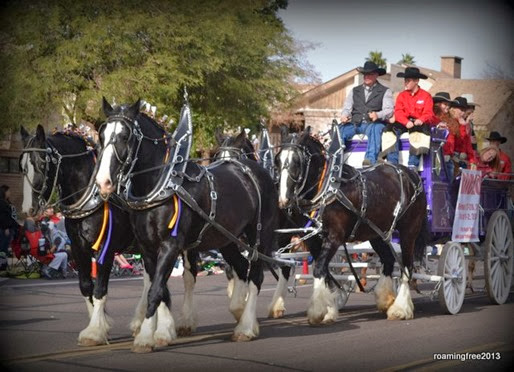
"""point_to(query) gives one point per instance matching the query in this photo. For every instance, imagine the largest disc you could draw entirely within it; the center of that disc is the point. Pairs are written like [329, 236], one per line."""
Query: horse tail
[422, 240]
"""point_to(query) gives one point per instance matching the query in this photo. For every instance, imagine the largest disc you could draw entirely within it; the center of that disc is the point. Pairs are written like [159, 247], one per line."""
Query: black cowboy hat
[460, 102]
[496, 136]
[412, 73]
[371, 67]
[470, 99]
[442, 97]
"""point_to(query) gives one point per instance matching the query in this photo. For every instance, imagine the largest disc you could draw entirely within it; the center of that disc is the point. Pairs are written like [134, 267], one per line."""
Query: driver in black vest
[366, 109]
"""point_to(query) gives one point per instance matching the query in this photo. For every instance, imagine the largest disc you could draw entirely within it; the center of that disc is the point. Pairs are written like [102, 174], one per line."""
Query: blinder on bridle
[41, 165]
[134, 133]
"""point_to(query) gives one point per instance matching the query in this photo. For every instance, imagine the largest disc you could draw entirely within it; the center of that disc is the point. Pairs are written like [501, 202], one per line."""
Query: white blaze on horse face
[286, 156]
[103, 177]
[28, 179]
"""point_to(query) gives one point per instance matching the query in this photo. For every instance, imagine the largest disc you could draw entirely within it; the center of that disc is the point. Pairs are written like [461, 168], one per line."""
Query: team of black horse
[177, 207]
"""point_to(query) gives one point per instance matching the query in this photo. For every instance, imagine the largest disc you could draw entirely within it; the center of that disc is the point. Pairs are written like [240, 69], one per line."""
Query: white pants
[60, 261]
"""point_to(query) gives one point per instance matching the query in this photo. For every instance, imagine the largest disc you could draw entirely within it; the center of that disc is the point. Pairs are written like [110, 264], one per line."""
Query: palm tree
[407, 59]
[377, 58]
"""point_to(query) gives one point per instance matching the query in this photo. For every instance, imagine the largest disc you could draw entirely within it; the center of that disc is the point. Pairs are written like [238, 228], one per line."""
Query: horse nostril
[108, 183]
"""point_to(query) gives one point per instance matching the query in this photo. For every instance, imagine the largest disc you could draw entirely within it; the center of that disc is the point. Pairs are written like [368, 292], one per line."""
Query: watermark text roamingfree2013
[485, 355]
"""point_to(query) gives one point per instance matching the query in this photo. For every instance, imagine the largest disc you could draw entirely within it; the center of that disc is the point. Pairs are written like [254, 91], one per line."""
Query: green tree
[235, 57]
[376, 57]
[407, 59]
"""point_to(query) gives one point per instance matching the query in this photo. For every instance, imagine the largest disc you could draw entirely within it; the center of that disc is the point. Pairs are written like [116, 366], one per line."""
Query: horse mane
[68, 142]
[151, 120]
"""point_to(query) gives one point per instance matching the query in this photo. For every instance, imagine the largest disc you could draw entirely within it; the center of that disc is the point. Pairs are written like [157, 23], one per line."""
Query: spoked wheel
[452, 267]
[498, 257]
[346, 285]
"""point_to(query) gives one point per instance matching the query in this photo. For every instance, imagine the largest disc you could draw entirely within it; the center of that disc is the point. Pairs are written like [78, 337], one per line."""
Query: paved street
[40, 321]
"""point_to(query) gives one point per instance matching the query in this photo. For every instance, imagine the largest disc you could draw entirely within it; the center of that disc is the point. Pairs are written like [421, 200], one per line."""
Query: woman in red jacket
[443, 119]
[463, 150]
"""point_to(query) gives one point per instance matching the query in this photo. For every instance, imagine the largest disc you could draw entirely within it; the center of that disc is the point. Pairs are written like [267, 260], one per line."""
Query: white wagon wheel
[498, 266]
[452, 268]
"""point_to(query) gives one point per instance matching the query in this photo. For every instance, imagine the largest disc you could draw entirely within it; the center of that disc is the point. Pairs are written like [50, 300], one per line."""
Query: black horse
[240, 196]
[363, 207]
[240, 147]
[63, 163]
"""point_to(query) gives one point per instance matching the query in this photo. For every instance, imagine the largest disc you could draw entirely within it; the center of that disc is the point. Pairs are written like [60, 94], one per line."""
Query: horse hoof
[328, 321]
[276, 314]
[315, 321]
[161, 342]
[398, 315]
[90, 342]
[184, 332]
[142, 349]
[240, 337]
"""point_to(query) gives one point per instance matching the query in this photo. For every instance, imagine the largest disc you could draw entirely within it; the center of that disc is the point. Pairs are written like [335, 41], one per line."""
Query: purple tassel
[309, 223]
[175, 228]
[107, 241]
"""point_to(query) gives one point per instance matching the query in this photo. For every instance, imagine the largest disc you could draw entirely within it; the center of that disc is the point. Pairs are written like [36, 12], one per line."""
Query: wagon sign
[465, 224]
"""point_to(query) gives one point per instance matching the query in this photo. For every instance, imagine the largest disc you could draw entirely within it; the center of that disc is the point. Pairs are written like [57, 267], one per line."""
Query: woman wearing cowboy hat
[442, 119]
[463, 152]
[412, 112]
[366, 109]
[468, 116]
[496, 139]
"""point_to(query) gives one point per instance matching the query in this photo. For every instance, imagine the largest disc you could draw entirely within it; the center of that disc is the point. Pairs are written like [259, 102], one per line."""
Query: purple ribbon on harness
[175, 228]
[309, 223]
[105, 246]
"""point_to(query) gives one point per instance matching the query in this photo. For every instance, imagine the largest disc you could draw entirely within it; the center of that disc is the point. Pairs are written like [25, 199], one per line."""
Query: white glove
[463, 156]
[447, 158]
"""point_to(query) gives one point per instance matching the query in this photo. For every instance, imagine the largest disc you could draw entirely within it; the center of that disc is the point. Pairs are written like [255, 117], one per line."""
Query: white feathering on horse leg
[384, 293]
[238, 299]
[188, 320]
[230, 288]
[276, 308]
[144, 341]
[99, 325]
[321, 303]
[248, 327]
[89, 307]
[139, 314]
[165, 332]
[402, 308]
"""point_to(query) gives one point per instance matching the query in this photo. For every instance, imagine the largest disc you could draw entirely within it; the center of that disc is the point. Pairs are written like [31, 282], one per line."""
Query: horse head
[34, 165]
[236, 147]
[299, 165]
[119, 136]
[51, 163]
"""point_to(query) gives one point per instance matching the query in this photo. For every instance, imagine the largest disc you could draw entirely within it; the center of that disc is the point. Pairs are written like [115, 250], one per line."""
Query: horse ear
[308, 130]
[219, 136]
[242, 135]
[134, 109]
[284, 132]
[40, 134]
[24, 135]
[106, 107]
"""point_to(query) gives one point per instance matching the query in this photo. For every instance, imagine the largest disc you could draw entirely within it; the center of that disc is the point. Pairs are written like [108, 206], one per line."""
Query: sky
[344, 32]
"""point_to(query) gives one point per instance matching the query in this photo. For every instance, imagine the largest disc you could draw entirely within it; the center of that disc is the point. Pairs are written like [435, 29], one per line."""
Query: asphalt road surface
[40, 321]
